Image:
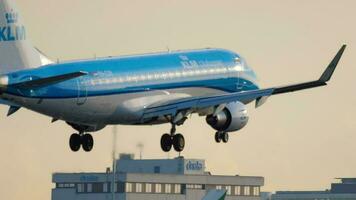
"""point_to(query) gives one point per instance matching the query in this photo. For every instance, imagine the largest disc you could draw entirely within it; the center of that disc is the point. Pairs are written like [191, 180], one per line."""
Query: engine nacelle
[232, 118]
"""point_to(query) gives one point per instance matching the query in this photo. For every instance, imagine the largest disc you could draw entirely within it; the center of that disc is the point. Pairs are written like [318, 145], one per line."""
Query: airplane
[145, 89]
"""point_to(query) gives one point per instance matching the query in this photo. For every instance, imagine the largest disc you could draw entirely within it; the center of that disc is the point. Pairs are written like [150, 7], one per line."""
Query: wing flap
[196, 103]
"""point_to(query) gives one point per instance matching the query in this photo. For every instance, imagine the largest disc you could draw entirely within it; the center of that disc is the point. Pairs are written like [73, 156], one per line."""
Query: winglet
[325, 77]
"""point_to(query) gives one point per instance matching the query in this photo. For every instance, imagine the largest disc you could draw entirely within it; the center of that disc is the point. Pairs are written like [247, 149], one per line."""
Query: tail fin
[16, 52]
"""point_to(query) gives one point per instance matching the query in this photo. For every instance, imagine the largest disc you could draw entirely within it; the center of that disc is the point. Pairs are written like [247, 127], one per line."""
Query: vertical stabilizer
[16, 52]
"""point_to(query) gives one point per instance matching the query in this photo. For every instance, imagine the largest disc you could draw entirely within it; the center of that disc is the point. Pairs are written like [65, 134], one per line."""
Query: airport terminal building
[344, 190]
[161, 179]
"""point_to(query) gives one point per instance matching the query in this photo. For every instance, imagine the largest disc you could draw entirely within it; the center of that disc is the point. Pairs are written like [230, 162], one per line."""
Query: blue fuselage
[210, 68]
[125, 84]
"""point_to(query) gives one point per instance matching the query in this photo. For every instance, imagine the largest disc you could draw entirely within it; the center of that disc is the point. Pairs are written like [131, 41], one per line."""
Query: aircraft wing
[173, 107]
[192, 104]
[42, 82]
[325, 77]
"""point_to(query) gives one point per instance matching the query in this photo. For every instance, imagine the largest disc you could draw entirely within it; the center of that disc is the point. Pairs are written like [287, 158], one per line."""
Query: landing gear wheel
[218, 137]
[74, 142]
[166, 142]
[178, 142]
[225, 137]
[87, 142]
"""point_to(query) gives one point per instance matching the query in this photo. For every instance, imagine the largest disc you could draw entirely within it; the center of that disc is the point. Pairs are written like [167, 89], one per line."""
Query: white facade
[170, 179]
[168, 166]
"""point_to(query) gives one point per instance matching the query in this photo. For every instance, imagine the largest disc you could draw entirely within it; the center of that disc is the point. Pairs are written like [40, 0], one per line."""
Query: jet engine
[232, 118]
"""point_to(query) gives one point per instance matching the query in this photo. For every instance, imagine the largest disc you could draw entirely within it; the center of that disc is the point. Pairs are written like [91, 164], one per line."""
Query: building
[175, 179]
[266, 195]
[344, 190]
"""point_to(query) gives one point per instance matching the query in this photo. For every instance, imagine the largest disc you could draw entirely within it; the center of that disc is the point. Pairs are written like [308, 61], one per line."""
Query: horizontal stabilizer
[8, 103]
[12, 110]
[43, 57]
[43, 82]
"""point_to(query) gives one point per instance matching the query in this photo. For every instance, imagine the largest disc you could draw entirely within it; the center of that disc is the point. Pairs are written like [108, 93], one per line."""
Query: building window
[194, 186]
[120, 187]
[237, 190]
[139, 187]
[89, 187]
[65, 185]
[247, 190]
[97, 187]
[80, 187]
[157, 170]
[167, 188]
[105, 187]
[177, 188]
[158, 188]
[218, 187]
[128, 187]
[228, 190]
[148, 188]
[256, 191]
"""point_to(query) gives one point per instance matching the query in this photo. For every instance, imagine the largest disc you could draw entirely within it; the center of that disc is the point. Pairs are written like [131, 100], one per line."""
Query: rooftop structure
[177, 178]
[345, 190]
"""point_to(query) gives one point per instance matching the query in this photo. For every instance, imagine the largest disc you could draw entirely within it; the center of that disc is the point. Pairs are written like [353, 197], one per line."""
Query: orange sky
[296, 141]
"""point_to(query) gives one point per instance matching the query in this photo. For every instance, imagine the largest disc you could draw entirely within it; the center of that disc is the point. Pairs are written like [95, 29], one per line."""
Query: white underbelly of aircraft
[107, 109]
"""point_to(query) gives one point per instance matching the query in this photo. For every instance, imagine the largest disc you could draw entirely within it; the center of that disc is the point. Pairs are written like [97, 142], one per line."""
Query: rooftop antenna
[168, 49]
[114, 131]
[140, 147]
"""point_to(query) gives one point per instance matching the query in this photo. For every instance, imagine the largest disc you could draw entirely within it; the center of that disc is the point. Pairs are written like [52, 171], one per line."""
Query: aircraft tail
[16, 52]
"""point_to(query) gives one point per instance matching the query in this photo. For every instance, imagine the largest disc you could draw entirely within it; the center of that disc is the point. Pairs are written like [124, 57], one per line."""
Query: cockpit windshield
[245, 67]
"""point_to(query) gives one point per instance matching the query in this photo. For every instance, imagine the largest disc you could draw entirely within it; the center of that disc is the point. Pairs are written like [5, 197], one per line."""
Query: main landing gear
[221, 136]
[81, 139]
[172, 139]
